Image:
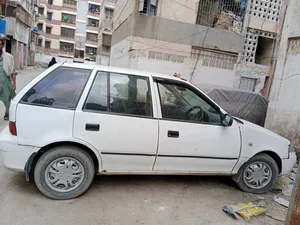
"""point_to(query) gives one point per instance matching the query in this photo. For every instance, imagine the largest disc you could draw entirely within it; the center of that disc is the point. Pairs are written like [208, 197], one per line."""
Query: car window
[183, 103]
[61, 88]
[97, 98]
[127, 94]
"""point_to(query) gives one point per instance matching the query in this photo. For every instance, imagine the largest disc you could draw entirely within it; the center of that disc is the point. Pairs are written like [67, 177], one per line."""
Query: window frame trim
[57, 107]
[108, 111]
[158, 80]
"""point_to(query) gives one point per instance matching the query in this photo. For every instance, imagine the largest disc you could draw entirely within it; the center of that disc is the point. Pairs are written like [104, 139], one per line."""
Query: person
[7, 77]
[52, 62]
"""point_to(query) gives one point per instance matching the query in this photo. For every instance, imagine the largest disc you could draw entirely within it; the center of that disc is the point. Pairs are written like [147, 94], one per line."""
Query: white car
[74, 121]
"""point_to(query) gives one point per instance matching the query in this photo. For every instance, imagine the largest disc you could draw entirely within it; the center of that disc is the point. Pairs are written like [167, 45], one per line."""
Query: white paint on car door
[118, 118]
[195, 140]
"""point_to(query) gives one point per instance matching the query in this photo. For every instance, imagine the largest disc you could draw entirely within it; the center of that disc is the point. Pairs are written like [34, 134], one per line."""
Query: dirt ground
[128, 200]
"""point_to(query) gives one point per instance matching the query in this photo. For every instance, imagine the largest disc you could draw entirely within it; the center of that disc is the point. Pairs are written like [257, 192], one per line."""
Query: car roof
[119, 70]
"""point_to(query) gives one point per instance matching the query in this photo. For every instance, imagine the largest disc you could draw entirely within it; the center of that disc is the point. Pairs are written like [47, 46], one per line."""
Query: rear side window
[61, 88]
[120, 94]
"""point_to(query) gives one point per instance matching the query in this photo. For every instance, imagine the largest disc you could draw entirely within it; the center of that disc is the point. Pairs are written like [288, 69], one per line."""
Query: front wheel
[64, 172]
[258, 175]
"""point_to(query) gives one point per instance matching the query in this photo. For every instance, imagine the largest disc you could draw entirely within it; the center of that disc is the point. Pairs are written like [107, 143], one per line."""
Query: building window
[50, 2]
[68, 18]
[91, 37]
[79, 54]
[108, 13]
[90, 51]
[67, 32]
[40, 26]
[70, 2]
[67, 47]
[47, 44]
[95, 9]
[224, 14]
[93, 22]
[41, 10]
[40, 42]
[148, 6]
[247, 84]
[49, 15]
[48, 30]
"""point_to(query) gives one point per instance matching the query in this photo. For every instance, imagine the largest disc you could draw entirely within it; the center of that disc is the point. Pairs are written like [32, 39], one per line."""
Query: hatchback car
[74, 121]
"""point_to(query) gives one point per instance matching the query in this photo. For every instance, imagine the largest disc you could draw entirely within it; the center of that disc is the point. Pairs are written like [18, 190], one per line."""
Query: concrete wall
[180, 61]
[42, 59]
[183, 10]
[162, 29]
[123, 9]
[284, 109]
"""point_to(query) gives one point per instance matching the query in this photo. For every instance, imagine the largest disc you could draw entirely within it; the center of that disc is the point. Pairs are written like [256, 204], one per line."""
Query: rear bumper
[288, 164]
[14, 156]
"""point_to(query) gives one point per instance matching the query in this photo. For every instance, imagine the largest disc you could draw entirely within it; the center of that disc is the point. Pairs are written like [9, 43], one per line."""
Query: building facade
[19, 16]
[105, 32]
[224, 42]
[283, 115]
[68, 29]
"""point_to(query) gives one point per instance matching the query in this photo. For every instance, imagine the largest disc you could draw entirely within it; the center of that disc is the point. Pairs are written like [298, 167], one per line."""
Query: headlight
[291, 148]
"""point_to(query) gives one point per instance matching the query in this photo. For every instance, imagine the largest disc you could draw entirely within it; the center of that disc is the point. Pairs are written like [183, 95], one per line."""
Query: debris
[249, 210]
[285, 180]
[230, 211]
[246, 211]
[281, 201]
[293, 176]
[295, 169]
[260, 203]
[288, 190]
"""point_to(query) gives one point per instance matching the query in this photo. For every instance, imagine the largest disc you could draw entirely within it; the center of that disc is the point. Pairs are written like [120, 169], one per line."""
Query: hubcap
[257, 175]
[64, 174]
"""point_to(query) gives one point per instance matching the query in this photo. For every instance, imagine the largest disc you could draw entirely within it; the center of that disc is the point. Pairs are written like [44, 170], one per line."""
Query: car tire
[261, 167]
[64, 172]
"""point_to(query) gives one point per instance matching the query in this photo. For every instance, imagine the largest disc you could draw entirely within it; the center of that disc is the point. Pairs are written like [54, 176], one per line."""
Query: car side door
[116, 116]
[192, 137]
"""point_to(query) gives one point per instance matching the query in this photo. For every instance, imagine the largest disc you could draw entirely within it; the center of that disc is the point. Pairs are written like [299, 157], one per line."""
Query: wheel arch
[35, 157]
[272, 154]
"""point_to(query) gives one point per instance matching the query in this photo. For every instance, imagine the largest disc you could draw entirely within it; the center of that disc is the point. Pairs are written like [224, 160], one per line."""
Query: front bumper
[14, 156]
[288, 164]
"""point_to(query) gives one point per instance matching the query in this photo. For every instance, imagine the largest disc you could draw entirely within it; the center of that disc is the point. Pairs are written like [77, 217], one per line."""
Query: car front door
[191, 135]
[115, 115]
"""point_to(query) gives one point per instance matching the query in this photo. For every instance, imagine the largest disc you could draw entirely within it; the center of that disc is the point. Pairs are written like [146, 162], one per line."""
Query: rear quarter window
[61, 88]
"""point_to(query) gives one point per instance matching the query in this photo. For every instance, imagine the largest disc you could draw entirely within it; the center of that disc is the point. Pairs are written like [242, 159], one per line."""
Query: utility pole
[293, 216]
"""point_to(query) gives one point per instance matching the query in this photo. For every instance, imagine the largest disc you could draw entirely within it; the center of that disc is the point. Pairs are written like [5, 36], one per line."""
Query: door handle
[173, 134]
[92, 127]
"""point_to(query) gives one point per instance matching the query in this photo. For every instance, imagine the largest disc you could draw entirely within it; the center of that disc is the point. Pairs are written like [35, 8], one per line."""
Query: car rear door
[191, 135]
[117, 116]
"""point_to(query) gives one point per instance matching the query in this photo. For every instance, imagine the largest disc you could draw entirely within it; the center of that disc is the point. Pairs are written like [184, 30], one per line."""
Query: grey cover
[246, 105]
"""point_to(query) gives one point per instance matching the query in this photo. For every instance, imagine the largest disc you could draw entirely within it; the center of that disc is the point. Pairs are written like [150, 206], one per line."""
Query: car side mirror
[227, 120]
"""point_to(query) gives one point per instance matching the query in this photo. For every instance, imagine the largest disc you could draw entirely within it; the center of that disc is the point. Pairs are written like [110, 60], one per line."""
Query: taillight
[13, 128]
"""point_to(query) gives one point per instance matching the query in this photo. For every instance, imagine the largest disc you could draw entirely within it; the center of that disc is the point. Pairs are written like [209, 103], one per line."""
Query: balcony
[93, 28]
[72, 4]
[106, 40]
[110, 4]
[67, 54]
[92, 42]
[106, 23]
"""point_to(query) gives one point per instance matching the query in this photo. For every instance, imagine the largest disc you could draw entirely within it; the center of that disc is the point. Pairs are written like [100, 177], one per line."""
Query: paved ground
[128, 200]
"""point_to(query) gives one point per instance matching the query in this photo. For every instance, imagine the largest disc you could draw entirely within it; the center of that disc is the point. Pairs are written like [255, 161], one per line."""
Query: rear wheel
[64, 172]
[258, 175]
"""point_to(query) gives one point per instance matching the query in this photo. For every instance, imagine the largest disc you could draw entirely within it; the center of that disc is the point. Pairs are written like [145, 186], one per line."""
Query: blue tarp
[2, 26]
